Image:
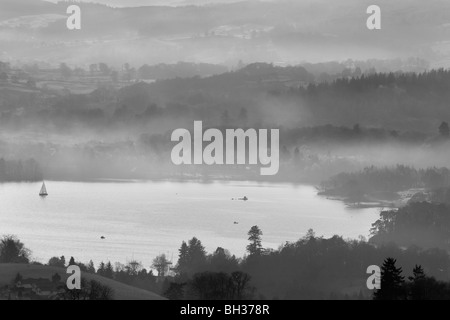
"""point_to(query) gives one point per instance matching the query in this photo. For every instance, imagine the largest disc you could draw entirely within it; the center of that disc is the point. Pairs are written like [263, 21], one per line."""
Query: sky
[137, 3]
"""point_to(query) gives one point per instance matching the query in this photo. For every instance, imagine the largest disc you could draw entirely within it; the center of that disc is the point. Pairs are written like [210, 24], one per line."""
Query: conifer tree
[254, 236]
[391, 282]
[418, 286]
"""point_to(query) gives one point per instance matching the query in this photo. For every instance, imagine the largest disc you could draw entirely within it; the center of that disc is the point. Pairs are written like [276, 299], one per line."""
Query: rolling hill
[287, 32]
[121, 291]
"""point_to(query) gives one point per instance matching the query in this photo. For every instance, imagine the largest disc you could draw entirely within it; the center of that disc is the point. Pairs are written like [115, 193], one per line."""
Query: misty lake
[140, 220]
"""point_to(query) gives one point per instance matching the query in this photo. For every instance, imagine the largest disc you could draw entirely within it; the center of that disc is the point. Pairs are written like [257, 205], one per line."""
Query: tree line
[313, 267]
[355, 186]
[423, 224]
[419, 286]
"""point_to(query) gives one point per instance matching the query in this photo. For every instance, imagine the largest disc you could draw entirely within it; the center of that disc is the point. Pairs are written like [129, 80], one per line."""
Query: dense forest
[242, 98]
[423, 224]
[386, 183]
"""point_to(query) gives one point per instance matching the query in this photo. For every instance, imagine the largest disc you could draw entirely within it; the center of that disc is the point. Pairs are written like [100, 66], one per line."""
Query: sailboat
[43, 192]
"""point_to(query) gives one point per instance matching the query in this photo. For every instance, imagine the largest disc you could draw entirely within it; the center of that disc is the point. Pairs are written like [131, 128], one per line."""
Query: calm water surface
[143, 219]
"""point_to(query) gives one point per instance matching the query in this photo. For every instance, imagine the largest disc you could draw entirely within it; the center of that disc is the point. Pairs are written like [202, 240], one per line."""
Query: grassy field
[121, 291]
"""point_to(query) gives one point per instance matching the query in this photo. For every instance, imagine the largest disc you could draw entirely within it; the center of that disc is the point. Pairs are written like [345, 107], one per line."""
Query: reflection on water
[140, 220]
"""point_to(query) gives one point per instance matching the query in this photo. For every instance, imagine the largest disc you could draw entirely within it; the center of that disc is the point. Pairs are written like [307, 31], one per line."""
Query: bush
[13, 251]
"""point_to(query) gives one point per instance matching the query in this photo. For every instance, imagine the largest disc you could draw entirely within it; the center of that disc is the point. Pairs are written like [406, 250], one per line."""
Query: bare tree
[161, 264]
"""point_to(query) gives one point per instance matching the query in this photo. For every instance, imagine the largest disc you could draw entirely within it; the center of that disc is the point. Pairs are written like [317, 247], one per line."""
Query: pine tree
[183, 258]
[101, 269]
[91, 267]
[109, 270]
[72, 262]
[191, 257]
[418, 290]
[391, 282]
[418, 273]
[196, 254]
[254, 236]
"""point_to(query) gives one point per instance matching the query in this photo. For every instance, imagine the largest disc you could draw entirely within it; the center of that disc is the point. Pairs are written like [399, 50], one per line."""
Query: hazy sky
[134, 3]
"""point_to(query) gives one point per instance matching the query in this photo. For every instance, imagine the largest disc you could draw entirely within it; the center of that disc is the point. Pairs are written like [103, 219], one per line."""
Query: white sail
[43, 191]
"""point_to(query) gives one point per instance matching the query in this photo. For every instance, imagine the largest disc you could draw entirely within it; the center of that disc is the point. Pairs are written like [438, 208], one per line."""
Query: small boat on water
[43, 192]
[241, 199]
